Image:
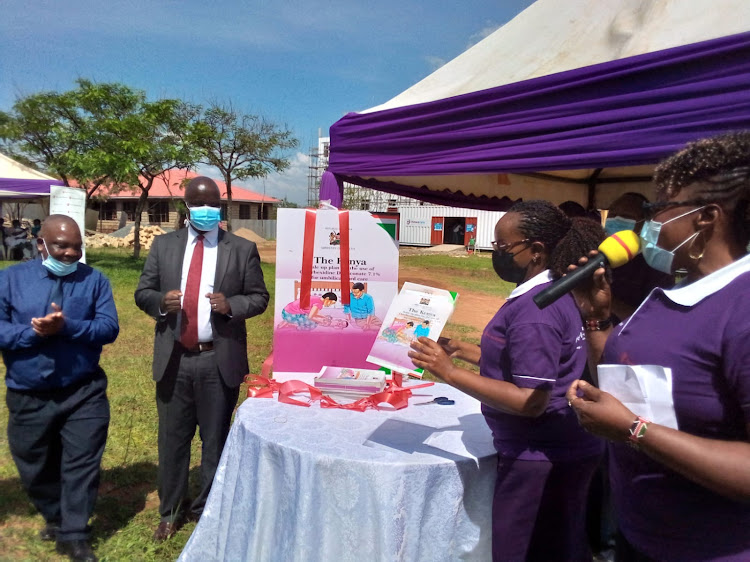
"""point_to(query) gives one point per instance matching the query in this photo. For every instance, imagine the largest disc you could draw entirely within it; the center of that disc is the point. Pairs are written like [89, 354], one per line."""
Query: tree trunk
[229, 204]
[140, 206]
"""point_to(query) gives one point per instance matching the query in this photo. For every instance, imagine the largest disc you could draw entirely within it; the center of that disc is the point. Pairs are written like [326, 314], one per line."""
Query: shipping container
[428, 225]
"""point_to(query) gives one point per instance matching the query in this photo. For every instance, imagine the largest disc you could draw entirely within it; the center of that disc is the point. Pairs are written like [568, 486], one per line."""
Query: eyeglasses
[508, 245]
[652, 209]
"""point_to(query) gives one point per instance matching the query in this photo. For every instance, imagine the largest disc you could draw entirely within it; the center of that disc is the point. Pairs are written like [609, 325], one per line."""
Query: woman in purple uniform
[528, 359]
[682, 491]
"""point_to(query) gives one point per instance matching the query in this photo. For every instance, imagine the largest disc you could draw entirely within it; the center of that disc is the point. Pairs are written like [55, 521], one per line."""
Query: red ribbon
[308, 249]
[394, 394]
[344, 255]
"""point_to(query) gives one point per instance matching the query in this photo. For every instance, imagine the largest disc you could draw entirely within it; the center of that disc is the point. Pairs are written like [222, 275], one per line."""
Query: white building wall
[416, 223]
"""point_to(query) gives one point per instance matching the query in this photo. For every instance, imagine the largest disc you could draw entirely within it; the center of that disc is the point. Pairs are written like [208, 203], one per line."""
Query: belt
[200, 347]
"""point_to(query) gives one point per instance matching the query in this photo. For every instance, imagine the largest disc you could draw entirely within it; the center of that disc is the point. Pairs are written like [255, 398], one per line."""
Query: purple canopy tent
[329, 189]
[11, 188]
[628, 113]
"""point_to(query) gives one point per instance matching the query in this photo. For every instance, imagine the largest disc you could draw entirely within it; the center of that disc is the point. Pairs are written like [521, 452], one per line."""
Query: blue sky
[300, 64]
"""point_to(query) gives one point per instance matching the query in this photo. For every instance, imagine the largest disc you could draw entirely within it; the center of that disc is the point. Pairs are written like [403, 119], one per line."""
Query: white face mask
[655, 256]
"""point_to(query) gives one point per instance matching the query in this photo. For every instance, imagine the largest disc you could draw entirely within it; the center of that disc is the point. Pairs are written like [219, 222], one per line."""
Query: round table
[308, 484]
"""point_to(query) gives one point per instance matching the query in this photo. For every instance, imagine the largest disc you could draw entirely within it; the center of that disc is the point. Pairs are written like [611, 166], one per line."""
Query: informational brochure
[344, 379]
[416, 311]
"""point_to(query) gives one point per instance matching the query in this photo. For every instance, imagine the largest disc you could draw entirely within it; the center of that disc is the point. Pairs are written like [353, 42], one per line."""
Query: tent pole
[592, 188]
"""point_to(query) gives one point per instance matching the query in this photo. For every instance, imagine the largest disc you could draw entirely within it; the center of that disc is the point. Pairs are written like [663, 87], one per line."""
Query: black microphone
[615, 251]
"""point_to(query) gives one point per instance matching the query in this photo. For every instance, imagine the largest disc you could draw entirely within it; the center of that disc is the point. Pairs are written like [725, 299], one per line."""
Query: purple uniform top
[543, 349]
[701, 332]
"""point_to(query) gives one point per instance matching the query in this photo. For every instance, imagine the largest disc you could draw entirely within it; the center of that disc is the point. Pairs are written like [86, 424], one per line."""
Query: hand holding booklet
[416, 311]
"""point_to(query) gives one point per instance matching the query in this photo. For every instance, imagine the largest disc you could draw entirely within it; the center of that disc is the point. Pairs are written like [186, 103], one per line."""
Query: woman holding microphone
[528, 358]
[682, 489]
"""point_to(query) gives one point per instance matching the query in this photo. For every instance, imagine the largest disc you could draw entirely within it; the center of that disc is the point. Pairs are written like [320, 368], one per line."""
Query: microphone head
[621, 247]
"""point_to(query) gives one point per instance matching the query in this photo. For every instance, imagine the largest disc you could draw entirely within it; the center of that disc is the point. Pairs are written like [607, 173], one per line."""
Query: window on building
[158, 212]
[263, 212]
[223, 214]
[244, 211]
[107, 210]
[129, 208]
[326, 149]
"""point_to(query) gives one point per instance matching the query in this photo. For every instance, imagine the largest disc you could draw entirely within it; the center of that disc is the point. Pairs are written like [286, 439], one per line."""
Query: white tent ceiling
[553, 36]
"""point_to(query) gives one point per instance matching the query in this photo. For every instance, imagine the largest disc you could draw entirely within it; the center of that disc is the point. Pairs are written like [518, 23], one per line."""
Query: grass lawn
[127, 509]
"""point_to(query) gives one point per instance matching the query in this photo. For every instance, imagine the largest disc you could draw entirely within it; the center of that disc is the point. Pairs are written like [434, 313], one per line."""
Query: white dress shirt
[208, 273]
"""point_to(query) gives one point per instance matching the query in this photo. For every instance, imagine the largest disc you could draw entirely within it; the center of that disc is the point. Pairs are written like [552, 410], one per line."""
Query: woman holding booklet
[682, 491]
[528, 359]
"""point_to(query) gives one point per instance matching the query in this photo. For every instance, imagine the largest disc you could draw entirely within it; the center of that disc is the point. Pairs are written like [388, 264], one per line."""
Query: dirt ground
[474, 310]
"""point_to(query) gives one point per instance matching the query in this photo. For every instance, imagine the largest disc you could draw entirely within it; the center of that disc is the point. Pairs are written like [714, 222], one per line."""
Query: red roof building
[165, 202]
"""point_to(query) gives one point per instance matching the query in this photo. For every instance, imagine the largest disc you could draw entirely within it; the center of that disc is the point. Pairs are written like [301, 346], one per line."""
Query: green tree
[103, 134]
[153, 139]
[241, 146]
[42, 129]
[285, 203]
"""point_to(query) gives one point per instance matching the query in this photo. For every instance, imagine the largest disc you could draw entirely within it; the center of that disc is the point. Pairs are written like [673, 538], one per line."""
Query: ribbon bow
[395, 395]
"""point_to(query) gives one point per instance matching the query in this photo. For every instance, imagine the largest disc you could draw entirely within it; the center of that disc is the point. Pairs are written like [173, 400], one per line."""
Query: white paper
[70, 201]
[644, 389]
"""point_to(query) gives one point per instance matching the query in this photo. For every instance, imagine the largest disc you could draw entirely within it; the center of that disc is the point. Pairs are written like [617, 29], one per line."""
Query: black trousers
[57, 440]
[192, 393]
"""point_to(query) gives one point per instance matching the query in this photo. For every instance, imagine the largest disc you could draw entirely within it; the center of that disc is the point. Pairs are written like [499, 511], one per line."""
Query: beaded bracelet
[597, 325]
[637, 432]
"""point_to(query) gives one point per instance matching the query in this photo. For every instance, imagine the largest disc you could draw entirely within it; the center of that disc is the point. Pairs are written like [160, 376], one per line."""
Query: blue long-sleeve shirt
[41, 363]
[360, 307]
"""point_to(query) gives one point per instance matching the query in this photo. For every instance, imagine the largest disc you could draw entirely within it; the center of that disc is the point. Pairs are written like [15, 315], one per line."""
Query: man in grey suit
[200, 284]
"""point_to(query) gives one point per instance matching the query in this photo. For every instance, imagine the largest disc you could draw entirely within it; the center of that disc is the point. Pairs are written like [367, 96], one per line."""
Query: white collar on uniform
[211, 237]
[538, 279]
[692, 294]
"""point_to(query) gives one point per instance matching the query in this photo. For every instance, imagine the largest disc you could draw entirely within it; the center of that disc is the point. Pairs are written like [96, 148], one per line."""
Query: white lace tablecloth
[311, 484]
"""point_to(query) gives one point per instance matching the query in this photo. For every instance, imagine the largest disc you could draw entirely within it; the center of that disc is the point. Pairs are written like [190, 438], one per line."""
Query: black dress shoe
[166, 530]
[78, 550]
[49, 533]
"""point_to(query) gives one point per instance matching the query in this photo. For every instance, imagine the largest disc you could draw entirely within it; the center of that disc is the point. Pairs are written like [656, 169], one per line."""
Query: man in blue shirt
[55, 316]
[361, 309]
[422, 330]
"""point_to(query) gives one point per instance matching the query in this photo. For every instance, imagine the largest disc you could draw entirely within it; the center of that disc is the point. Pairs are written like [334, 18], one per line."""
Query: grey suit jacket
[238, 276]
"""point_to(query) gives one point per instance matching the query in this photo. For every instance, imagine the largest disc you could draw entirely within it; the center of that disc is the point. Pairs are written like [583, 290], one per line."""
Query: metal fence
[264, 228]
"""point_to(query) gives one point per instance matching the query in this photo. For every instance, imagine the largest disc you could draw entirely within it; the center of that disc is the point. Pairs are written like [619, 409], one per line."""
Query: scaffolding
[315, 171]
[355, 196]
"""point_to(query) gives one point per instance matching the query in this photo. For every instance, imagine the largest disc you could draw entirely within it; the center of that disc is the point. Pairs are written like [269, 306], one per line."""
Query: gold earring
[690, 248]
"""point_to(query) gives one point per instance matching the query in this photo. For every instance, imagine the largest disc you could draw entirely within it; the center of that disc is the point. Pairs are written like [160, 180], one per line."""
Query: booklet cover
[329, 333]
[343, 379]
[416, 311]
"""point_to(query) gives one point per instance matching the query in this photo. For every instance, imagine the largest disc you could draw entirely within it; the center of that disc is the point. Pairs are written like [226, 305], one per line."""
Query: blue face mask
[204, 218]
[57, 267]
[656, 257]
[616, 224]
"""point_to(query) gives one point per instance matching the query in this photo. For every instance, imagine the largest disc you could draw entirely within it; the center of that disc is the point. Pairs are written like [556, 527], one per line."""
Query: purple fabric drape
[626, 112]
[331, 189]
[11, 188]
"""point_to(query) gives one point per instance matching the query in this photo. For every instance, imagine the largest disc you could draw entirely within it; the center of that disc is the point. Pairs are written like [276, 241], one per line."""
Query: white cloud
[482, 34]
[434, 62]
[291, 184]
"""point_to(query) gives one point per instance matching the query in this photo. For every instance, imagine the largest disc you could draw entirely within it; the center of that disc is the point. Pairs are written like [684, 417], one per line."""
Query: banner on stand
[336, 275]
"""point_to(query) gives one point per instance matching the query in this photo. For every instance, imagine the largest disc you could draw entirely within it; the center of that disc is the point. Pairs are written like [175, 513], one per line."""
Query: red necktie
[189, 328]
